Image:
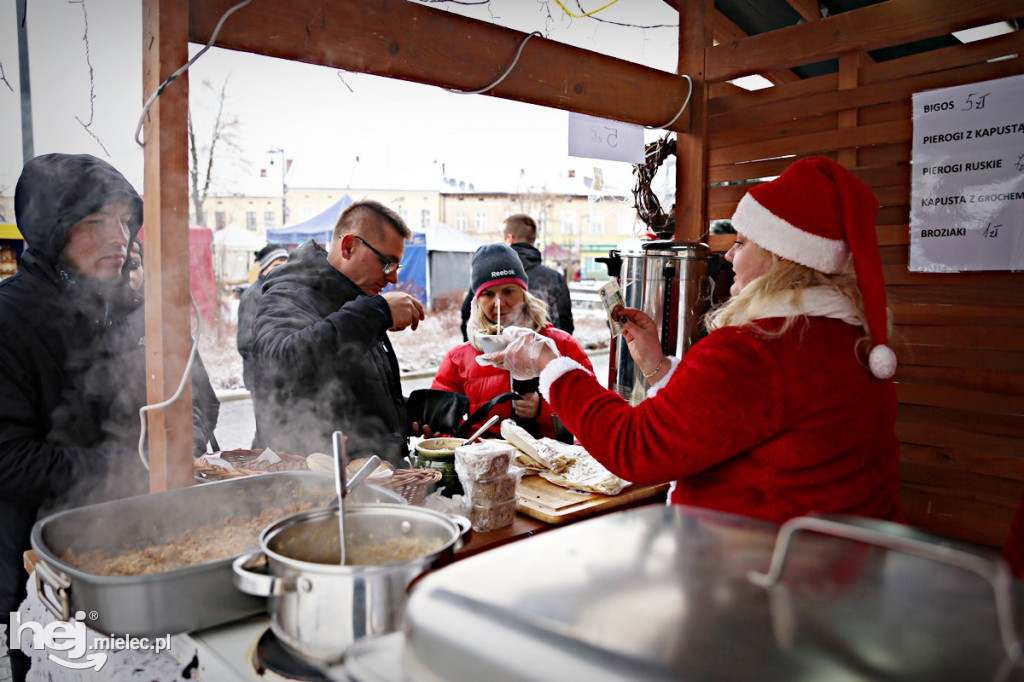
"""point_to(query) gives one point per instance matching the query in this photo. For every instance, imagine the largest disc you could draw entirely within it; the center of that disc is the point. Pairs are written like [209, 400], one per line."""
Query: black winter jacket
[72, 365]
[326, 363]
[548, 285]
[247, 306]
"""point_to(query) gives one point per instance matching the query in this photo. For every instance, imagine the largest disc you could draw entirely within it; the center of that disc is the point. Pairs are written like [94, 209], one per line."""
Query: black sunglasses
[389, 265]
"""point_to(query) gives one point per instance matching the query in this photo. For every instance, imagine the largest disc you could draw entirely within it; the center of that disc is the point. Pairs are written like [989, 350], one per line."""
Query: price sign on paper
[967, 198]
[600, 138]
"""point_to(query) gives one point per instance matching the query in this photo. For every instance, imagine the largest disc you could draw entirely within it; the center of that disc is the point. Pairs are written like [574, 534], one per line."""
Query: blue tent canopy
[436, 260]
[436, 263]
[412, 278]
[319, 228]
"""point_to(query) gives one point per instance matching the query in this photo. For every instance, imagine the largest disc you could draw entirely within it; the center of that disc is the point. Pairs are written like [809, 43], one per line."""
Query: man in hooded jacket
[72, 356]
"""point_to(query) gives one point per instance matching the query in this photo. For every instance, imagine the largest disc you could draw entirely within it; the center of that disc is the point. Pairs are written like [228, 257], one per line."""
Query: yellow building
[579, 216]
[575, 222]
[259, 214]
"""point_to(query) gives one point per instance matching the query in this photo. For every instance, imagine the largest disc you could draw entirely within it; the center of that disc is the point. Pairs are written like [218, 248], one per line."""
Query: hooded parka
[72, 363]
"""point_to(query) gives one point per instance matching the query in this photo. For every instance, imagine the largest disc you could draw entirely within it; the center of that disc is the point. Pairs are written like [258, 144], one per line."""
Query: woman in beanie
[787, 406]
[498, 281]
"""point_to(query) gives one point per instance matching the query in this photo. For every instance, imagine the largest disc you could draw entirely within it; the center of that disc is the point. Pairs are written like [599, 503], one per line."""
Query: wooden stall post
[691, 145]
[164, 50]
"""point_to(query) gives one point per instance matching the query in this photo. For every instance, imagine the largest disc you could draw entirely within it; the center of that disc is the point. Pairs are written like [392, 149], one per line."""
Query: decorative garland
[648, 207]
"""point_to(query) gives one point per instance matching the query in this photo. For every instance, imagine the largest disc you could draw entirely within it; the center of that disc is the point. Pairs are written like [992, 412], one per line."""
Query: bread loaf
[538, 450]
[586, 473]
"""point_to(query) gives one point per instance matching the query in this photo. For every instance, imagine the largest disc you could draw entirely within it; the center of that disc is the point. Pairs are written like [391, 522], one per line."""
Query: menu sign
[600, 138]
[967, 198]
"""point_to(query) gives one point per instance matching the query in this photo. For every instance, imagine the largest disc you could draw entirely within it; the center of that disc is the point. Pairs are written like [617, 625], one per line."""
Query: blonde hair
[535, 316]
[784, 284]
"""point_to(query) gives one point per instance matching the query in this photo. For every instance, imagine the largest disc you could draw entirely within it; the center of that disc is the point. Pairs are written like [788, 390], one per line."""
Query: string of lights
[584, 14]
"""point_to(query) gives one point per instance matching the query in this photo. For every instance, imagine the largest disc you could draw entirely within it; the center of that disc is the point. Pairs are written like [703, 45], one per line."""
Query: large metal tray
[173, 601]
[657, 594]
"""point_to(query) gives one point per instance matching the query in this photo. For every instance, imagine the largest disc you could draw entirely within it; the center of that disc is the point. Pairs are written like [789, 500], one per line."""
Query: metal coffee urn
[670, 281]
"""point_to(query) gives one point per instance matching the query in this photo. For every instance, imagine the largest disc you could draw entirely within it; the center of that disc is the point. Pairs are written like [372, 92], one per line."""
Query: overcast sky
[87, 97]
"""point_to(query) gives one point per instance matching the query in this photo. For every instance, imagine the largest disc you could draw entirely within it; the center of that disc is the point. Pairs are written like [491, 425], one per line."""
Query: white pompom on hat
[818, 214]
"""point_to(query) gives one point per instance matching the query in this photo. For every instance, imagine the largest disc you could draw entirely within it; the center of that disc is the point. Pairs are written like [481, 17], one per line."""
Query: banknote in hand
[611, 299]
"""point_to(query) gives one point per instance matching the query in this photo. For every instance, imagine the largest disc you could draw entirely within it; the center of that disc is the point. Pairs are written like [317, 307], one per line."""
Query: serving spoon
[340, 460]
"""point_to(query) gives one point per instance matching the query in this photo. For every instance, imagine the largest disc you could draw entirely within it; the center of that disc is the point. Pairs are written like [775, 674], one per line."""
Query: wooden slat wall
[959, 337]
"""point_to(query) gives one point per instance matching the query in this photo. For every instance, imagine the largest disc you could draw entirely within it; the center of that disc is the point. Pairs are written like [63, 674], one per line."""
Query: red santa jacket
[765, 427]
[460, 372]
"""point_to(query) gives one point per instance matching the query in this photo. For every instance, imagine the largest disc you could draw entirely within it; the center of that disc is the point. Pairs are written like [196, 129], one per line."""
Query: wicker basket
[245, 464]
[412, 484]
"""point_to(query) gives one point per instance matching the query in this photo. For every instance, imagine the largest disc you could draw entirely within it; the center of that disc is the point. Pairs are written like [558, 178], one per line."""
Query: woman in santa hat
[787, 406]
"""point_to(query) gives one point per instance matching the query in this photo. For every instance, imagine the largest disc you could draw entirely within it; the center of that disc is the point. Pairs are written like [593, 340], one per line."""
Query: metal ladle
[340, 460]
[479, 432]
[369, 466]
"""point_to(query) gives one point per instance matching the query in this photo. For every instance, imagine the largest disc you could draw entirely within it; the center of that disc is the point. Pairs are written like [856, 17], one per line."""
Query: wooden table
[523, 527]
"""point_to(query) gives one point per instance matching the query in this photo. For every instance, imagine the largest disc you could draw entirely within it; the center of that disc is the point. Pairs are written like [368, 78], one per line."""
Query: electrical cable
[507, 71]
[686, 102]
[519, 52]
[181, 385]
[170, 79]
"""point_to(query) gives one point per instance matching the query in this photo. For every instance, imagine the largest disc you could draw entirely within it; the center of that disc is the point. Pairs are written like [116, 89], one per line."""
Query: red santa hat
[820, 215]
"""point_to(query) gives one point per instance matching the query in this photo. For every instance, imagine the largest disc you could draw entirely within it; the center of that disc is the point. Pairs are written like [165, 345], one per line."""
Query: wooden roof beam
[885, 24]
[412, 42]
[807, 9]
[725, 31]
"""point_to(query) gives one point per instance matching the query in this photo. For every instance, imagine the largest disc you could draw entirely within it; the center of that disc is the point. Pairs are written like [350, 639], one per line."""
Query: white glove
[522, 355]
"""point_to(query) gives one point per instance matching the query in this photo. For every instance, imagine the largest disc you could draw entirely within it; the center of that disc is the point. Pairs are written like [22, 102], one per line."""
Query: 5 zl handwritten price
[611, 139]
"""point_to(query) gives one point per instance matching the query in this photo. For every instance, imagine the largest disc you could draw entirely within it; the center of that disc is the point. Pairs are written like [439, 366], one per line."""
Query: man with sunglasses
[320, 338]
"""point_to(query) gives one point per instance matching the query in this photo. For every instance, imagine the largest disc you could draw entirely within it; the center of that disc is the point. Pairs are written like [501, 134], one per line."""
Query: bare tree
[221, 142]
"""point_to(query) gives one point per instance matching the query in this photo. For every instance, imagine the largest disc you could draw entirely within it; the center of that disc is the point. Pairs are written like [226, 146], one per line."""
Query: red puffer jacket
[459, 372]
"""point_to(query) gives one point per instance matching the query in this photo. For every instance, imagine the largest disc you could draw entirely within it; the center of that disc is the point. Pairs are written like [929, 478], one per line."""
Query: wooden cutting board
[550, 503]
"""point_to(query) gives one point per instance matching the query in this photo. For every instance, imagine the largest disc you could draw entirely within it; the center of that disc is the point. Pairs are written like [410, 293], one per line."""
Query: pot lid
[663, 593]
[666, 248]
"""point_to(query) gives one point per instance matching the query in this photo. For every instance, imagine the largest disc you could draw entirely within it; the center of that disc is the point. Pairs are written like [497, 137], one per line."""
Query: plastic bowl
[438, 448]
[491, 343]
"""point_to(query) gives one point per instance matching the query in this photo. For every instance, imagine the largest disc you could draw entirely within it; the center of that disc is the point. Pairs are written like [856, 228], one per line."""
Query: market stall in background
[11, 246]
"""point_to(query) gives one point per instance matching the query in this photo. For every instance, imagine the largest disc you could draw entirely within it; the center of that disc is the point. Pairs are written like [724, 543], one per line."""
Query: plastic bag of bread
[483, 460]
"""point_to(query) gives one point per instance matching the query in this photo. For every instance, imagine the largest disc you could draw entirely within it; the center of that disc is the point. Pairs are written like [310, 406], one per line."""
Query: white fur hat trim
[771, 232]
[882, 362]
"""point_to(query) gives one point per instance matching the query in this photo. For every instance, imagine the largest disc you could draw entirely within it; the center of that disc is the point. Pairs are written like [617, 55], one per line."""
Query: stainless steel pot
[179, 600]
[670, 282]
[317, 607]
